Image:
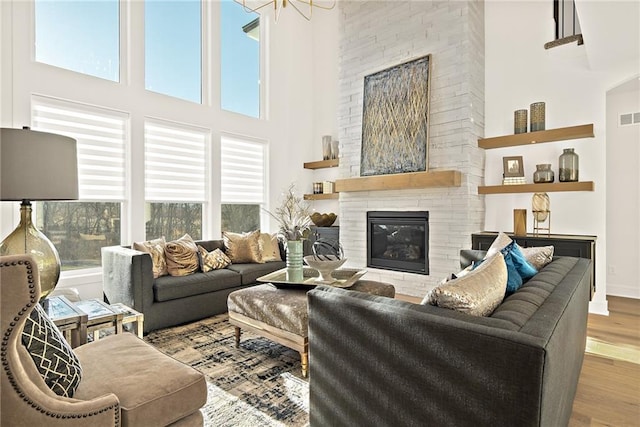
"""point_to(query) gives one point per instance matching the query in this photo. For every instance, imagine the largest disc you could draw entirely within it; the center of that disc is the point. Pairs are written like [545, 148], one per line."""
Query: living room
[488, 61]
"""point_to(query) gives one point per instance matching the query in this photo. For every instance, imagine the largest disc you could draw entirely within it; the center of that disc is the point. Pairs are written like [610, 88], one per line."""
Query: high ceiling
[611, 31]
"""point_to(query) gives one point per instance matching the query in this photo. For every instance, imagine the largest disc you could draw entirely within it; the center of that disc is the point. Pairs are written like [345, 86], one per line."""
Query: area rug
[258, 384]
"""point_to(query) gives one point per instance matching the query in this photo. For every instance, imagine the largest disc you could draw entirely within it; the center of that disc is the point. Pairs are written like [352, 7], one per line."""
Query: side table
[131, 316]
[71, 321]
[100, 316]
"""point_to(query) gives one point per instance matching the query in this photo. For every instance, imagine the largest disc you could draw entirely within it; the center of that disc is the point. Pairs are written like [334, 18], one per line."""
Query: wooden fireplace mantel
[401, 181]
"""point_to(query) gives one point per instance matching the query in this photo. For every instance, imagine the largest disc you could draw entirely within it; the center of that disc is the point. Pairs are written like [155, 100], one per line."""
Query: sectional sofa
[169, 300]
[384, 362]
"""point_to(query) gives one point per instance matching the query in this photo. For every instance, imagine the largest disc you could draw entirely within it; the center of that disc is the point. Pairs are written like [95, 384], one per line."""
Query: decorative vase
[294, 261]
[520, 121]
[519, 222]
[335, 149]
[568, 166]
[537, 116]
[543, 173]
[324, 267]
[26, 238]
[540, 205]
[326, 147]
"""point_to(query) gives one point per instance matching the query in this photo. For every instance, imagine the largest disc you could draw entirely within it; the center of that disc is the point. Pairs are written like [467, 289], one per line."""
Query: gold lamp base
[27, 239]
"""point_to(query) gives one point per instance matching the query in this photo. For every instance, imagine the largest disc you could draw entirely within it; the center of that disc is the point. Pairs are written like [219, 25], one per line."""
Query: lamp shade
[37, 166]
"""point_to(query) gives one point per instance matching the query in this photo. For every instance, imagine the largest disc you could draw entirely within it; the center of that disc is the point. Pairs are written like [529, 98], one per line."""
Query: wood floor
[609, 387]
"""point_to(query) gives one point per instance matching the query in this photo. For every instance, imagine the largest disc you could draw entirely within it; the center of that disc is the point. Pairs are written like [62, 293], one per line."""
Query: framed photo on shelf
[513, 166]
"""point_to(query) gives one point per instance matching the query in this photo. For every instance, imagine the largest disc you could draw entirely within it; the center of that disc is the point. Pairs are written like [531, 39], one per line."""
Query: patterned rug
[258, 384]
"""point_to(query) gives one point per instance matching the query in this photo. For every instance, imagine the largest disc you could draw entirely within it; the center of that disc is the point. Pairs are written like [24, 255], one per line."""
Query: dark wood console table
[564, 245]
[328, 233]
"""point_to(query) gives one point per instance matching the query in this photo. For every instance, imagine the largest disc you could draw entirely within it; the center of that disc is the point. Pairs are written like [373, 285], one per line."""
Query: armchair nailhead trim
[5, 363]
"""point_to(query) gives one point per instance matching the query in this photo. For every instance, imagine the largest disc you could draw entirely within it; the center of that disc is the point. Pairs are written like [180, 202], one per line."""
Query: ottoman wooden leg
[238, 332]
[304, 363]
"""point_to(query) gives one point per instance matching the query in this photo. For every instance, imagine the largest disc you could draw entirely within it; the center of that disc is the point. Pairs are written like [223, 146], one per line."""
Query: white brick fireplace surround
[377, 35]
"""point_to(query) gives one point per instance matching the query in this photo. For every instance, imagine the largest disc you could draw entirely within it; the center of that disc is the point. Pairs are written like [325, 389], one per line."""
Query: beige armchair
[125, 381]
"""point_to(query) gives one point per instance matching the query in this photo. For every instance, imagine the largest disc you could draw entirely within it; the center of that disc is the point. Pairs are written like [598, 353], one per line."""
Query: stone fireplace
[378, 35]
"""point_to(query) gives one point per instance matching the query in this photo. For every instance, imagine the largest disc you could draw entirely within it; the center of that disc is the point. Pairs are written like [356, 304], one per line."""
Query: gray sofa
[168, 300]
[384, 362]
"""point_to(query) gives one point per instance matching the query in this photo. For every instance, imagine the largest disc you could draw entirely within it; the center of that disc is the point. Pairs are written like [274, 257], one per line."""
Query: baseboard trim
[623, 291]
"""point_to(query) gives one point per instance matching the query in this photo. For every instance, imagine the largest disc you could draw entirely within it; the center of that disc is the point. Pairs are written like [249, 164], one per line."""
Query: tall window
[240, 59]
[173, 48]
[175, 179]
[79, 229]
[82, 36]
[243, 184]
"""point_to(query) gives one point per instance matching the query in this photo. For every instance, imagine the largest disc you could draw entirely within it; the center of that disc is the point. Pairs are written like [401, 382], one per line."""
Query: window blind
[102, 139]
[174, 163]
[243, 171]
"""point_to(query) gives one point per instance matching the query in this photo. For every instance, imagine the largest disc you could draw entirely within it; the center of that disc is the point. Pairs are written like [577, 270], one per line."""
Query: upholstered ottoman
[281, 314]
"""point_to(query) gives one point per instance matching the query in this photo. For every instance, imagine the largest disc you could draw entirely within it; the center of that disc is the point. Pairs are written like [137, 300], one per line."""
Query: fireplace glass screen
[398, 241]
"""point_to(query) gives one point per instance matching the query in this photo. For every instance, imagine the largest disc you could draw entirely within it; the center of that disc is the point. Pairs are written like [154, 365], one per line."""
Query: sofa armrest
[127, 277]
[468, 256]
[379, 361]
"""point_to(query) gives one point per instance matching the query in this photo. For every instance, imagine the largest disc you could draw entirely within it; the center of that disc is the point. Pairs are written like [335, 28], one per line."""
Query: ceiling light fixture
[303, 7]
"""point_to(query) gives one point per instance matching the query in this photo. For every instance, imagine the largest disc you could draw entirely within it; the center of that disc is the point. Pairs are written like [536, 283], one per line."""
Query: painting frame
[395, 118]
[513, 166]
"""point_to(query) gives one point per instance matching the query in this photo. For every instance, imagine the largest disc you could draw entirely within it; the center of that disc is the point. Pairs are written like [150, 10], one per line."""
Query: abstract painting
[395, 119]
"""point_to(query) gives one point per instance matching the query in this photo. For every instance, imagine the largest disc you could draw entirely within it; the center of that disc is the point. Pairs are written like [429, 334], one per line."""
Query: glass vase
[520, 121]
[543, 173]
[568, 166]
[537, 116]
[27, 239]
[294, 261]
[326, 147]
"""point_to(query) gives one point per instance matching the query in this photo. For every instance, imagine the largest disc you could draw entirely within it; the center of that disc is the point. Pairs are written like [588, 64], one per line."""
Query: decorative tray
[344, 278]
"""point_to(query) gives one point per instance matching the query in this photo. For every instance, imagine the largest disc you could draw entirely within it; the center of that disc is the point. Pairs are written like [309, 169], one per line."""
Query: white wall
[623, 191]
[291, 111]
[324, 81]
[520, 71]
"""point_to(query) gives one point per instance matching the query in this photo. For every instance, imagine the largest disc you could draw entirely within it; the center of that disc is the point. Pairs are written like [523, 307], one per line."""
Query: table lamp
[36, 166]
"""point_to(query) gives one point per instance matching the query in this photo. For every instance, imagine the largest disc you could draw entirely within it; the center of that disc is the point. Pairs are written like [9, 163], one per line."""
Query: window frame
[124, 202]
[25, 77]
[262, 65]
[208, 168]
[205, 59]
[123, 52]
[264, 205]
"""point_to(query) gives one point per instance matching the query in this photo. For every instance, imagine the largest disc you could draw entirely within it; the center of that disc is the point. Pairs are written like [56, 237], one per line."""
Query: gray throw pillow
[57, 363]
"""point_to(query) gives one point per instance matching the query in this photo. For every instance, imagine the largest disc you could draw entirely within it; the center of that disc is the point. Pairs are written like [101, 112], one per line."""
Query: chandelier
[303, 7]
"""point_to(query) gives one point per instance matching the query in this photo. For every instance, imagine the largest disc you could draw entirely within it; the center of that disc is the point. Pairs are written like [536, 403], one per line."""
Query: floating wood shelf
[537, 188]
[326, 196]
[321, 164]
[447, 178]
[551, 135]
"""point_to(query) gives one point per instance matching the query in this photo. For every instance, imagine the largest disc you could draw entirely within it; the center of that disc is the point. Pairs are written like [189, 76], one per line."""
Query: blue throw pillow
[518, 268]
[524, 267]
[514, 280]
